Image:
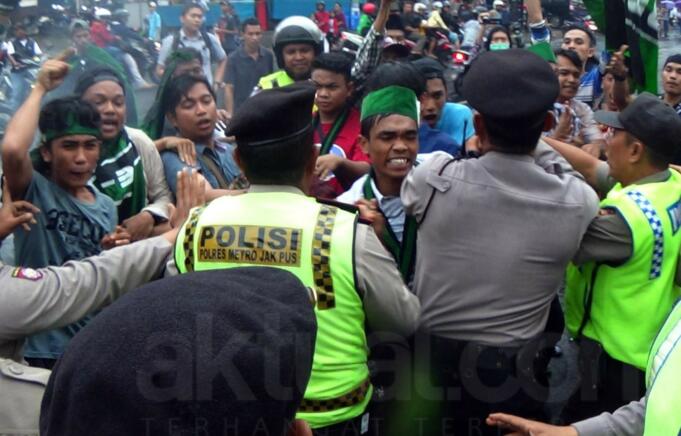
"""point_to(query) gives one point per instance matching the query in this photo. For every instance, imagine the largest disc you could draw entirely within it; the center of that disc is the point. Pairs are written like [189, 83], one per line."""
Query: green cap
[543, 50]
[390, 100]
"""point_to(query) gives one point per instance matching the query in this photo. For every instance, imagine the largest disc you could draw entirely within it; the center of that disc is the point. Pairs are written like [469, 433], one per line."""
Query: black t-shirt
[411, 20]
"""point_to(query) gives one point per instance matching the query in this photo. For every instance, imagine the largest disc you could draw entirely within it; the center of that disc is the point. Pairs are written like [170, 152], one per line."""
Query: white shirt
[11, 50]
[390, 206]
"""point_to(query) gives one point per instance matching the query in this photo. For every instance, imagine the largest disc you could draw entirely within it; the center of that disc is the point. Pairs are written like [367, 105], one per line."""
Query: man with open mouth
[191, 108]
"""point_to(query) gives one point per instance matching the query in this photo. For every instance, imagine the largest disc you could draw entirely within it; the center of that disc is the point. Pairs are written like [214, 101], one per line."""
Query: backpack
[177, 40]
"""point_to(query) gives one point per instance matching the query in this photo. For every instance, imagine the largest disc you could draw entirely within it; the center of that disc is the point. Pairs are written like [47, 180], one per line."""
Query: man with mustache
[191, 109]
[297, 41]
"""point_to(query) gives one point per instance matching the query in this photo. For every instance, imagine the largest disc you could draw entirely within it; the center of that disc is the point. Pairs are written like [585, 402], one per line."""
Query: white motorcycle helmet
[296, 29]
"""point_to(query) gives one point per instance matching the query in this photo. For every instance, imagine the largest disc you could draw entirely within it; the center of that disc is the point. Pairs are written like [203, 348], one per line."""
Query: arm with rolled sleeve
[625, 421]
[57, 296]
[388, 304]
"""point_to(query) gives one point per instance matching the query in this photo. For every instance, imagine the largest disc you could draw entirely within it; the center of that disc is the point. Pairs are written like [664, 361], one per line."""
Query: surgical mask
[499, 46]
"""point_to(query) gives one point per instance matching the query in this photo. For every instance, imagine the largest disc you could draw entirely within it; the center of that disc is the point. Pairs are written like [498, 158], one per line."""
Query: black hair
[178, 87]
[189, 6]
[336, 62]
[396, 74]
[572, 56]
[283, 163]
[369, 123]
[589, 33]
[674, 59]
[93, 76]
[515, 135]
[494, 30]
[249, 22]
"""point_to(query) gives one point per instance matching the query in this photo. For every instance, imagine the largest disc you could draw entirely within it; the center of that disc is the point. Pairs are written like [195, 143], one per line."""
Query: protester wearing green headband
[390, 137]
[76, 220]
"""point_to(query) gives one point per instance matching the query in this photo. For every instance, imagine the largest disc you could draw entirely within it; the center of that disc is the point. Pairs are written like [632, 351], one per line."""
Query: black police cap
[650, 120]
[512, 83]
[274, 115]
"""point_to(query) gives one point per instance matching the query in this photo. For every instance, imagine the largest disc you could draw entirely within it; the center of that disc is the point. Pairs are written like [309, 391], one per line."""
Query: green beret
[390, 100]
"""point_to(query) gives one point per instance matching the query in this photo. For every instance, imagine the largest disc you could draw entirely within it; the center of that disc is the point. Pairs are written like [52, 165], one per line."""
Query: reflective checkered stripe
[663, 402]
[623, 306]
[324, 245]
[351, 398]
[656, 227]
[188, 240]
[321, 250]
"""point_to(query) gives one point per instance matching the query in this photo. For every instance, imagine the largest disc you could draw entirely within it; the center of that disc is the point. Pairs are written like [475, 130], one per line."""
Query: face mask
[499, 46]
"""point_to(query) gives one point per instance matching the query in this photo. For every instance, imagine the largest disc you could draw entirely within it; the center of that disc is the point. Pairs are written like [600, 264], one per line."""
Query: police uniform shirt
[33, 300]
[608, 238]
[388, 304]
[495, 235]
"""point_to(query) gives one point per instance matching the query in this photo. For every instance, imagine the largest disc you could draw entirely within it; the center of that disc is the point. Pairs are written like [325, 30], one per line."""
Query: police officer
[355, 279]
[623, 282]
[297, 41]
[34, 300]
[485, 272]
[655, 414]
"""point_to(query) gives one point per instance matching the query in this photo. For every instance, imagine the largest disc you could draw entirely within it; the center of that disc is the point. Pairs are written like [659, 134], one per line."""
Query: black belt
[355, 396]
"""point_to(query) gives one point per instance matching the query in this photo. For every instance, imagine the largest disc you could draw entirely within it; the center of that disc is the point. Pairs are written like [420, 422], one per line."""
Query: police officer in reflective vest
[355, 279]
[296, 42]
[655, 414]
[624, 280]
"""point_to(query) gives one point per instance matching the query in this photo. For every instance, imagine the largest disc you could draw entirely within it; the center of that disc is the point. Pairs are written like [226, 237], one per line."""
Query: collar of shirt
[654, 178]
[241, 52]
[259, 189]
[497, 156]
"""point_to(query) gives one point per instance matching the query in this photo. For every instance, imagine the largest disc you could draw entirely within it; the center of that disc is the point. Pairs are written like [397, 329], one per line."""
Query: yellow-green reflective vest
[663, 379]
[628, 303]
[316, 243]
[275, 80]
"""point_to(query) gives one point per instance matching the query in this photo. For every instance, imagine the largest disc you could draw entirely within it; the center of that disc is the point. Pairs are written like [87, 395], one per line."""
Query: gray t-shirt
[67, 229]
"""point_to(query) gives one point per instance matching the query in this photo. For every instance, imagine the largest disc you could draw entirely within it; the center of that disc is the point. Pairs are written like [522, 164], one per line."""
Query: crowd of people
[337, 249]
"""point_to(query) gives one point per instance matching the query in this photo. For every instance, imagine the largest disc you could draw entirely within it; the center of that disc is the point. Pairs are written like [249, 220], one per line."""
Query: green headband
[74, 127]
[390, 100]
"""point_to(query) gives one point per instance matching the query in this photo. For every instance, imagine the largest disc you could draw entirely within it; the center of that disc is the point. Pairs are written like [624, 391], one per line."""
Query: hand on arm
[139, 226]
[182, 146]
[368, 211]
[119, 237]
[580, 160]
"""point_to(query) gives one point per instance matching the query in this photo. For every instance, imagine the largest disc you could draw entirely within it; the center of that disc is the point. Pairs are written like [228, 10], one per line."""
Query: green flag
[631, 22]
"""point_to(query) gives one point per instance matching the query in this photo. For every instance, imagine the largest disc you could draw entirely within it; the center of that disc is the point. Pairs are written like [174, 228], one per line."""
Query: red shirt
[345, 145]
[339, 23]
[322, 19]
[100, 35]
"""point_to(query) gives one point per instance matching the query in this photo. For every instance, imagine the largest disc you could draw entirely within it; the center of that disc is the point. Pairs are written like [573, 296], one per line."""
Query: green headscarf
[155, 118]
[390, 100]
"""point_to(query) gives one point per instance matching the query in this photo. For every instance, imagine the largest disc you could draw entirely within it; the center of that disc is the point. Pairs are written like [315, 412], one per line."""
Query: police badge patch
[27, 274]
